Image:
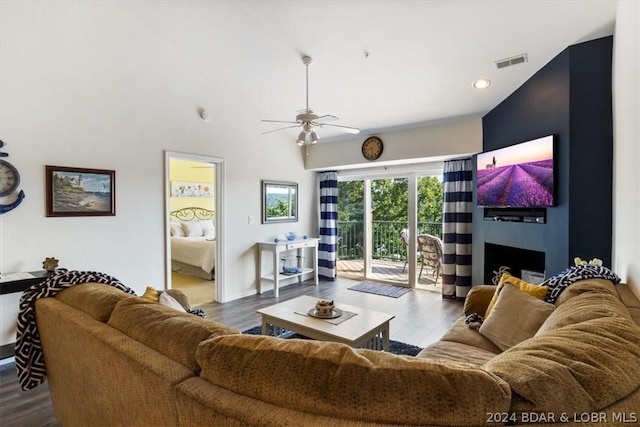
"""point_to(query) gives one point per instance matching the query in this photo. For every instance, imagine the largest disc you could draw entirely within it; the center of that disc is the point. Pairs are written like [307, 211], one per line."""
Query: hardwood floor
[422, 317]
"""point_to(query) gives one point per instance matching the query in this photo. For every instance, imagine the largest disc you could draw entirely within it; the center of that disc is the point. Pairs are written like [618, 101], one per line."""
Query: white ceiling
[423, 54]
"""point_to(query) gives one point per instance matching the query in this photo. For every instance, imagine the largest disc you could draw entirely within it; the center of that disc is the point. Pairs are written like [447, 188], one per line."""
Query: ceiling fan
[308, 120]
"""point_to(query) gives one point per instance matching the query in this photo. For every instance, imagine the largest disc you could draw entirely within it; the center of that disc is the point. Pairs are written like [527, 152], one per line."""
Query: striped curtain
[456, 233]
[328, 223]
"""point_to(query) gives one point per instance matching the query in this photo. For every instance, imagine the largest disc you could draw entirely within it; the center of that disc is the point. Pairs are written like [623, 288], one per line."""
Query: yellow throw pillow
[537, 291]
[151, 294]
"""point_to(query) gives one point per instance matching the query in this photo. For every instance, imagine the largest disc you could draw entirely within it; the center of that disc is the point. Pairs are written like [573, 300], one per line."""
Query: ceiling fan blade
[326, 118]
[346, 129]
[279, 121]
[286, 127]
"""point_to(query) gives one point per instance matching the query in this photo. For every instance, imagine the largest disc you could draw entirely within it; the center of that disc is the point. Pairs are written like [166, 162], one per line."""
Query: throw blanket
[560, 282]
[29, 357]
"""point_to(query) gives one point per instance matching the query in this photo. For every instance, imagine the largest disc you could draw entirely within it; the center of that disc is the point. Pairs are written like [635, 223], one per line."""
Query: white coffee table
[367, 329]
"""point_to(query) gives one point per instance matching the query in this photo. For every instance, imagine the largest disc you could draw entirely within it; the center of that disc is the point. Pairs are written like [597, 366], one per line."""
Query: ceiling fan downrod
[306, 60]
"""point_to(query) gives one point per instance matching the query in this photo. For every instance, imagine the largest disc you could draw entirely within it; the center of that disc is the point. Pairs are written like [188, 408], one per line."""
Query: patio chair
[430, 248]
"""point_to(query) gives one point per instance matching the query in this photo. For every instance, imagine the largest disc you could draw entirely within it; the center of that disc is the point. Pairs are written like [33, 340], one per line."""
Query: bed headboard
[192, 214]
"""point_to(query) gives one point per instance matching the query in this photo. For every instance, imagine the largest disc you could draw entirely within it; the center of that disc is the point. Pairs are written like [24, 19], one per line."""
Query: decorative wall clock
[9, 182]
[372, 148]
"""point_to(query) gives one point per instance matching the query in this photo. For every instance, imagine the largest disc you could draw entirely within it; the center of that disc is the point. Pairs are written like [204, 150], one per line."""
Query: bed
[193, 242]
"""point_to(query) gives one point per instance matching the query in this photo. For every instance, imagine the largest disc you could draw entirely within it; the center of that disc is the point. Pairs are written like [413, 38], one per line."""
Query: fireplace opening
[524, 263]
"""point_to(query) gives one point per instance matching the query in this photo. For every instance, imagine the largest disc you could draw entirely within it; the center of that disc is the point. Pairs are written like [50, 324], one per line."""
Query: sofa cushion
[627, 296]
[629, 300]
[478, 299]
[95, 299]
[579, 368]
[456, 352]
[461, 333]
[586, 306]
[587, 285]
[97, 376]
[168, 331]
[332, 378]
[515, 317]
[537, 291]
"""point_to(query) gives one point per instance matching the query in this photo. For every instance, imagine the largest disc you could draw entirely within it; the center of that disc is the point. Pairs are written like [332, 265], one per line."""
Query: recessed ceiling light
[481, 83]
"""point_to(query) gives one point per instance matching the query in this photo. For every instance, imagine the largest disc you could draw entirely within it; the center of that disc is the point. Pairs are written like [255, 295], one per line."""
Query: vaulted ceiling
[377, 64]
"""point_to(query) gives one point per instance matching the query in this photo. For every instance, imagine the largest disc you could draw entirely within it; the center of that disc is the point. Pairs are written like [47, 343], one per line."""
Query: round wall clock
[9, 182]
[9, 178]
[372, 148]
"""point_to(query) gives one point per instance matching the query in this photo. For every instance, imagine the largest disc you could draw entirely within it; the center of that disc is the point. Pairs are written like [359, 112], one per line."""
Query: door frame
[219, 293]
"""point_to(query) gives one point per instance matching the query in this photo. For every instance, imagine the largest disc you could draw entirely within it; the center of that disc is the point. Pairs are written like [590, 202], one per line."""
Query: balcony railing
[387, 243]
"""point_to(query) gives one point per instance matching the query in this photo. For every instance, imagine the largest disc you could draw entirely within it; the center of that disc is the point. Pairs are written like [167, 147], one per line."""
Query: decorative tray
[336, 312]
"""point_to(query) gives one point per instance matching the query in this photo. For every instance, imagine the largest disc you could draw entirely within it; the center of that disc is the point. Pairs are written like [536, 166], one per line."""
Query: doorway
[194, 226]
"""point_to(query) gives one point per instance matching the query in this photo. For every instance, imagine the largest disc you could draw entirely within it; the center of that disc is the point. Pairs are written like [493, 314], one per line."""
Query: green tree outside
[389, 203]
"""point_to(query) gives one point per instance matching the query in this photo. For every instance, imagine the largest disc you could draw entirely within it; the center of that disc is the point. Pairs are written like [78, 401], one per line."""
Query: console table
[10, 291]
[277, 250]
[9, 285]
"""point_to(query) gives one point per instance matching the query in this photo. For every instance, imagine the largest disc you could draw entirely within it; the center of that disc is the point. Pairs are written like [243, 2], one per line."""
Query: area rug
[380, 289]
[395, 347]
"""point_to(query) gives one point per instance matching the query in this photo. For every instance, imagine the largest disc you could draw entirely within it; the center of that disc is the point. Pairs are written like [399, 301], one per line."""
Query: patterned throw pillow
[559, 282]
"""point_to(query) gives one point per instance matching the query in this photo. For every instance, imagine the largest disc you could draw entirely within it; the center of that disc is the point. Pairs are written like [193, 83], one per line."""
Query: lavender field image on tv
[520, 175]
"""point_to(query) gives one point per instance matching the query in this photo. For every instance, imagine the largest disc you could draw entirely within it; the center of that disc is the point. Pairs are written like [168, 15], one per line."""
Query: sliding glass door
[376, 219]
[389, 216]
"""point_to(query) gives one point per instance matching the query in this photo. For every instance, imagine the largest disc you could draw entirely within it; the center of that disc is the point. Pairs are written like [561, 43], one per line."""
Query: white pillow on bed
[192, 229]
[177, 230]
[208, 229]
[207, 224]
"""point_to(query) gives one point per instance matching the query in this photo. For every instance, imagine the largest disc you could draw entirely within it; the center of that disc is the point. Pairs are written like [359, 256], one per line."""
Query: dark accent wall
[570, 97]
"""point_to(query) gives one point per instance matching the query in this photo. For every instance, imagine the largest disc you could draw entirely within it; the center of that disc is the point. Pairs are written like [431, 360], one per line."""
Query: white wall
[87, 84]
[455, 138]
[626, 77]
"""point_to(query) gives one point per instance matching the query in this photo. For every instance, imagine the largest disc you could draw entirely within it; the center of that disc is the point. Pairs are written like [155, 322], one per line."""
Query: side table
[277, 249]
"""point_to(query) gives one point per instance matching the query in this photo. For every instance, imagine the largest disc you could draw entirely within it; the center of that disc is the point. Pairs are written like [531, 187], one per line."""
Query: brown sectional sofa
[115, 359]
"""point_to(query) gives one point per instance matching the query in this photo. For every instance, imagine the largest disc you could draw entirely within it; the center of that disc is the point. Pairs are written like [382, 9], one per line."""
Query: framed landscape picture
[80, 192]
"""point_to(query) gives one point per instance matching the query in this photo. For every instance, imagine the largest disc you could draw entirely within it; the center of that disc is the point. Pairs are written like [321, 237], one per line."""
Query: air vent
[508, 62]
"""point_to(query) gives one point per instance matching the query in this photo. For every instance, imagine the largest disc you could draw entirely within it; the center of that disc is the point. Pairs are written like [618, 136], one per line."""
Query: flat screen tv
[520, 175]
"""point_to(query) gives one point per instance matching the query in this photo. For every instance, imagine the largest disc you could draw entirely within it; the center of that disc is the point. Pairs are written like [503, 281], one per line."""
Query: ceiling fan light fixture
[308, 120]
[313, 136]
[302, 138]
